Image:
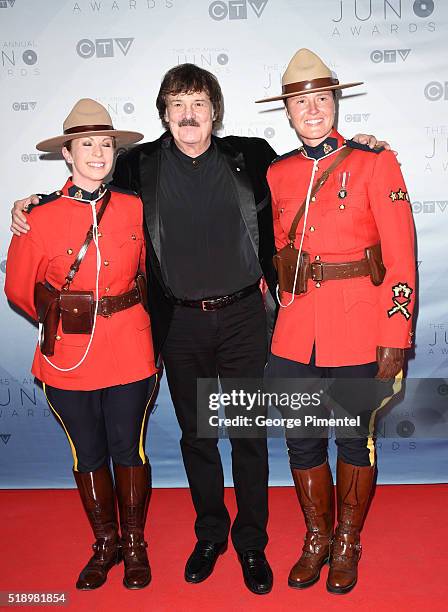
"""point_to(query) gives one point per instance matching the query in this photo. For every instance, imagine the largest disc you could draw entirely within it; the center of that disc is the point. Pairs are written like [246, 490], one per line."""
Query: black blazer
[248, 160]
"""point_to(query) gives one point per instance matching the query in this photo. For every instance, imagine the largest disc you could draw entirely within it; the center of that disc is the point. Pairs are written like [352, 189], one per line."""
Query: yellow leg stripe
[72, 446]
[396, 388]
[141, 449]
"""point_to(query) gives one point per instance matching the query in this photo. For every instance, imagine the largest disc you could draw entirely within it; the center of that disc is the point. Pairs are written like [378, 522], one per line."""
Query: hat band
[88, 128]
[304, 86]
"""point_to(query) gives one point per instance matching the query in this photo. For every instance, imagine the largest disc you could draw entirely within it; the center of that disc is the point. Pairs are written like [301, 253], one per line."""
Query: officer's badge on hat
[306, 73]
[88, 118]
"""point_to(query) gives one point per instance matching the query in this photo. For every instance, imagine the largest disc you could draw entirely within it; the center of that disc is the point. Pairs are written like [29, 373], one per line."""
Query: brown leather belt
[320, 271]
[218, 302]
[110, 304]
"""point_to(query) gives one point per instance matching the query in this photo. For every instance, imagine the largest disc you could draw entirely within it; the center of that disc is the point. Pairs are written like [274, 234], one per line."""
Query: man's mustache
[188, 123]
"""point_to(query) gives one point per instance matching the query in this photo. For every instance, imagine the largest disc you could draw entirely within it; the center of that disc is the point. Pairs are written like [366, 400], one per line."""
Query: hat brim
[123, 137]
[308, 91]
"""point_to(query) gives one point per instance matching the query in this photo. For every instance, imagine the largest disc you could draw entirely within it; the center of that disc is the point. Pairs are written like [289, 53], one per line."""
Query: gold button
[107, 289]
[58, 193]
[134, 237]
[312, 228]
[318, 285]
[281, 210]
[106, 263]
[100, 235]
[342, 206]
[75, 310]
[58, 337]
[69, 251]
[313, 199]
[317, 257]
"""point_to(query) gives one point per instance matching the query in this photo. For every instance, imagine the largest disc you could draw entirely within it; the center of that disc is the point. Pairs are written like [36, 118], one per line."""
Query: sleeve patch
[401, 298]
[400, 195]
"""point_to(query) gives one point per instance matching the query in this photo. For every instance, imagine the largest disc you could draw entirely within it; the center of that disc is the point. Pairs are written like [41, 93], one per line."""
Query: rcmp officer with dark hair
[96, 362]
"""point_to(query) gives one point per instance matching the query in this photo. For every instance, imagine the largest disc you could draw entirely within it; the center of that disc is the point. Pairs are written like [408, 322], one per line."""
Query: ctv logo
[23, 106]
[103, 47]
[436, 90]
[235, 9]
[389, 56]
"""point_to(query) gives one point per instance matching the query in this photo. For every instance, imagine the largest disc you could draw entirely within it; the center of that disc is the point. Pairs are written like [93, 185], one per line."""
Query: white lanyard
[305, 217]
[96, 296]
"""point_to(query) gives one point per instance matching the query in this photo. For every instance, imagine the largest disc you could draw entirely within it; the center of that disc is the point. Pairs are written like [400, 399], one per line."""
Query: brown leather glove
[390, 361]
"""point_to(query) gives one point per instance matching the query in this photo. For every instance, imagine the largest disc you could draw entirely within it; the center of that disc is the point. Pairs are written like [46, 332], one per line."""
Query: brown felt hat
[306, 73]
[88, 118]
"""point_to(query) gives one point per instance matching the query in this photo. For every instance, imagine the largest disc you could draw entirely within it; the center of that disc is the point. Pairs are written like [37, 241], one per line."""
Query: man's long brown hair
[189, 78]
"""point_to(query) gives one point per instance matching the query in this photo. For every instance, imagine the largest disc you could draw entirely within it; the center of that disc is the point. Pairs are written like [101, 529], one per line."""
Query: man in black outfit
[209, 242]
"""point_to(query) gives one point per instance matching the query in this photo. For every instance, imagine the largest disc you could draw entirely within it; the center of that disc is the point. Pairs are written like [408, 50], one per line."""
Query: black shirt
[206, 250]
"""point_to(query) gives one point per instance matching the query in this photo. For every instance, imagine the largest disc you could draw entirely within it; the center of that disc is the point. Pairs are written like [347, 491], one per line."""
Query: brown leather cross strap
[89, 237]
[342, 155]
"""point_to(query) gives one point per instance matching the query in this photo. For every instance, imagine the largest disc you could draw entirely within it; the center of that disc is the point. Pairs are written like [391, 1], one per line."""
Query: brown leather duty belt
[320, 271]
[111, 304]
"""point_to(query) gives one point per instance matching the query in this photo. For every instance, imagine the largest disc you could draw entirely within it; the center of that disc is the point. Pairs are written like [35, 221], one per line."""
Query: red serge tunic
[346, 319]
[121, 351]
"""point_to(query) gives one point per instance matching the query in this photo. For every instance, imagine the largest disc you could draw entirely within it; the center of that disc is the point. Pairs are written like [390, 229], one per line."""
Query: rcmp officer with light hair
[345, 258]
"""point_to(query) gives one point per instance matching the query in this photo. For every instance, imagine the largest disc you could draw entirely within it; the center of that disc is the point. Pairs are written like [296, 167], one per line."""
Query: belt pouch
[285, 262]
[77, 312]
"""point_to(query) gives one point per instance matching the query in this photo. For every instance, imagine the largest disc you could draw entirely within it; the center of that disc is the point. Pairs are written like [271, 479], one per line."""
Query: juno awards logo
[363, 10]
[382, 17]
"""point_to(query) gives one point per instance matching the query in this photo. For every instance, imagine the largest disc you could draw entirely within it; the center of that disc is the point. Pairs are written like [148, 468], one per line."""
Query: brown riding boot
[97, 495]
[133, 491]
[315, 491]
[354, 486]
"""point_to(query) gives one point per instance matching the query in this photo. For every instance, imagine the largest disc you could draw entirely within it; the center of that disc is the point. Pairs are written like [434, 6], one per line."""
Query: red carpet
[45, 542]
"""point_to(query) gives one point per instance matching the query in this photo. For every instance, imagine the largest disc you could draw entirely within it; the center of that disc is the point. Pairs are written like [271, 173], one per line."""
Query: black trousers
[104, 423]
[305, 453]
[227, 343]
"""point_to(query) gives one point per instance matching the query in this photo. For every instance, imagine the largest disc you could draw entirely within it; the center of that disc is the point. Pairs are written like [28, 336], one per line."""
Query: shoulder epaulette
[285, 155]
[356, 145]
[44, 199]
[116, 189]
